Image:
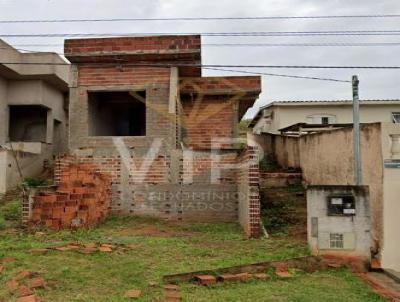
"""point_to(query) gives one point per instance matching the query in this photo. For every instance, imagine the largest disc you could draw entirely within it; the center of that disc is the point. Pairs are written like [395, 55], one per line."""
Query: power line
[279, 75]
[220, 34]
[336, 44]
[203, 18]
[301, 44]
[231, 70]
[144, 64]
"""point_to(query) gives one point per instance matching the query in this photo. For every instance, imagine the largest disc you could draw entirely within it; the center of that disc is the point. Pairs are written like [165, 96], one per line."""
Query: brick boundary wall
[249, 192]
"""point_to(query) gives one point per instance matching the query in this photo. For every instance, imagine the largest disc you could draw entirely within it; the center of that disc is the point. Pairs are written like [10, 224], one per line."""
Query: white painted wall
[285, 116]
[391, 202]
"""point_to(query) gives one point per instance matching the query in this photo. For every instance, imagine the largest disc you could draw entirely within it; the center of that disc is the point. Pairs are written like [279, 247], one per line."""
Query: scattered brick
[172, 295]
[171, 287]
[262, 276]
[205, 279]
[105, 249]
[234, 277]
[24, 291]
[243, 276]
[73, 247]
[31, 298]
[227, 278]
[23, 275]
[7, 259]
[133, 293]
[111, 246]
[334, 265]
[62, 248]
[39, 251]
[284, 274]
[12, 285]
[88, 250]
[91, 245]
[37, 282]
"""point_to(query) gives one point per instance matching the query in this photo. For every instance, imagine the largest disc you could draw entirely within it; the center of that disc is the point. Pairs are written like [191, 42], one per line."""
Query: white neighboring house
[281, 114]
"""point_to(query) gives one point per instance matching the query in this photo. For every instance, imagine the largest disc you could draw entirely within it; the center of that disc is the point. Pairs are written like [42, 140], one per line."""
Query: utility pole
[356, 132]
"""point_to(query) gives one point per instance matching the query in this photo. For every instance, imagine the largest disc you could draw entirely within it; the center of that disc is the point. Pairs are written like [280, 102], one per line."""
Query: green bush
[2, 223]
[34, 182]
[268, 165]
[275, 218]
[11, 210]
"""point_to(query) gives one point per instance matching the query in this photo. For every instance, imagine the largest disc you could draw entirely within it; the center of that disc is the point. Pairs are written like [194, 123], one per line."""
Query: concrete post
[356, 133]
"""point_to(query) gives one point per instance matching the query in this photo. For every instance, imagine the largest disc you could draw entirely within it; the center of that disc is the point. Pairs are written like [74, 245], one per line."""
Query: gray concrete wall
[3, 111]
[31, 84]
[327, 159]
[355, 229]
[30, 164]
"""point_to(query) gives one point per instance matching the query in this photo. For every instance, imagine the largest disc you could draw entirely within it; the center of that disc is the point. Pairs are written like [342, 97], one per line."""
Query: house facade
[33, 113]
[141, 112]
[281, 114]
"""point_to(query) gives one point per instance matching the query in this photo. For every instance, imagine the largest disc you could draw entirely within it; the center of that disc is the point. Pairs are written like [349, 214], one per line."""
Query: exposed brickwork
[230, 85]
[207, 119]
[162, 190]
[122, 75]
[128, 44]
[249, 196]
[82, 199]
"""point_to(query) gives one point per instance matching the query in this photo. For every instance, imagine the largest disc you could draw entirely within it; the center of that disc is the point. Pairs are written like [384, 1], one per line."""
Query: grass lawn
[161, 248]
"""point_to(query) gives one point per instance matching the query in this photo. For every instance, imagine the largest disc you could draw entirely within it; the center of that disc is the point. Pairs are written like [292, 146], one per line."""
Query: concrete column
[3, 171]
[3, 112]
[49, 127]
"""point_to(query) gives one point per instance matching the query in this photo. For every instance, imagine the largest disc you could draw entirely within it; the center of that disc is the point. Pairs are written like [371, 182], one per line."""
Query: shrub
[12, 210]
[268, 165]
[34, 182]
[2, 223]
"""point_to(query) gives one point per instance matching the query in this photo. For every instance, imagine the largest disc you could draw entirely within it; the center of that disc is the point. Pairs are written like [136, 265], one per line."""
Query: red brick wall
[249, 195]
[90, 75]
[127, 44]
[111, 165]
[202, 164]
[82, 199]
[211, 84]
[207, 119]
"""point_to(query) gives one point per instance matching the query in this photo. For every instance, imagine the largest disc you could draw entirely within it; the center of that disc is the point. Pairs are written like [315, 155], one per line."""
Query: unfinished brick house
[141, 112]
[33, 113]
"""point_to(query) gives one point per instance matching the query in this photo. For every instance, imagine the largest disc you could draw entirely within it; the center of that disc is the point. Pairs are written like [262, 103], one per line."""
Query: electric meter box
[341, 205]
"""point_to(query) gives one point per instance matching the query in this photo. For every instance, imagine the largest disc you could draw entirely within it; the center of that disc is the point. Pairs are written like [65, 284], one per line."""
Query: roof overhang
[244, 90]
[46, 66]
